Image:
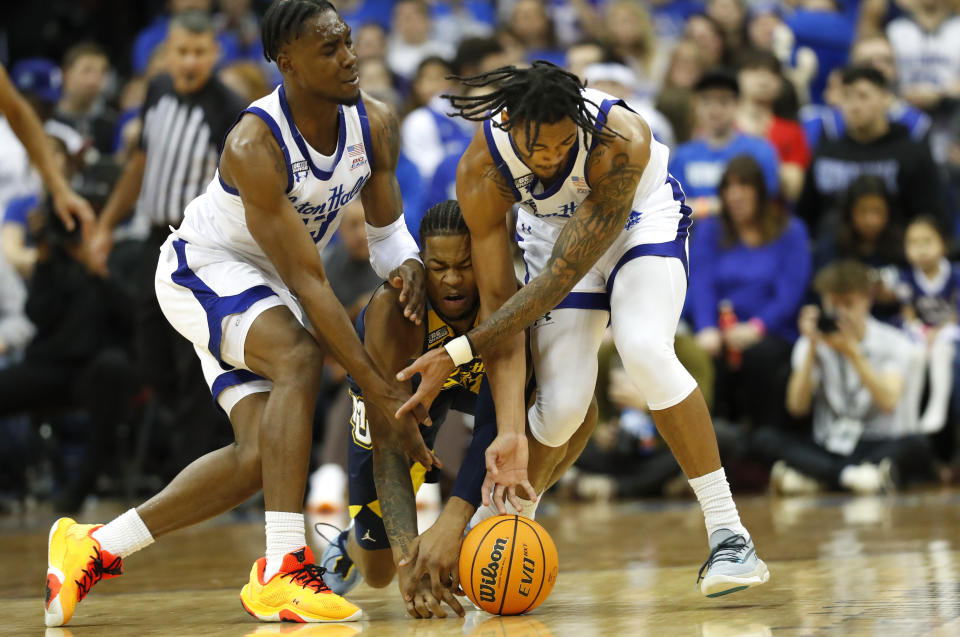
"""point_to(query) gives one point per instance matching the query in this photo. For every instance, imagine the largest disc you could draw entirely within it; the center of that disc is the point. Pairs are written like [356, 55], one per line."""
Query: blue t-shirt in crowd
[19, 208]
[151, 36]
[829, 35]
[700, 166]
[767, 282]
[411, 190]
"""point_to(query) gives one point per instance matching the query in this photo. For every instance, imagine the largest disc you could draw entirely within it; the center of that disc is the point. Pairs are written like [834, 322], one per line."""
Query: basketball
[508, 565]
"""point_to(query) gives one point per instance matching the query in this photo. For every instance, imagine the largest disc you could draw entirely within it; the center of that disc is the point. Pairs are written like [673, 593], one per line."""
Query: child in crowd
[929, 290]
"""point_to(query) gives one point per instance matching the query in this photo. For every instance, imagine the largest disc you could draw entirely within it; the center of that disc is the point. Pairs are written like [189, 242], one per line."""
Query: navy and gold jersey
[465, 390]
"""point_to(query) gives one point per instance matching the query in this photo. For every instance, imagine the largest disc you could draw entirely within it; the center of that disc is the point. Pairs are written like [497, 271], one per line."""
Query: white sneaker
[596, 488]
[862, 479]
[328, 486]
[785, 480]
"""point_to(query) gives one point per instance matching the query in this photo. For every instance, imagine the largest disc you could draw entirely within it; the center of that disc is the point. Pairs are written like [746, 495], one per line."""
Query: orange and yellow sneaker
[296, 593]
[75, 562]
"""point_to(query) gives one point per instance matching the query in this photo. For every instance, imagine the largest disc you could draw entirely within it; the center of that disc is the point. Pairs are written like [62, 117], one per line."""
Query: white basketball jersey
[318, 186]
[557, 203]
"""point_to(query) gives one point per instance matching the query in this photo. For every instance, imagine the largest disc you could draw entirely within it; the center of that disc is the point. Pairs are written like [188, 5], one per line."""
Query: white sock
[285, 534]
[125, 535]
[528, 509]
[719, 511]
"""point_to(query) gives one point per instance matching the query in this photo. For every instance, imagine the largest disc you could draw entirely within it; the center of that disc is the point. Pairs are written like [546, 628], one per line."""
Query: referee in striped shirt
[185, 119]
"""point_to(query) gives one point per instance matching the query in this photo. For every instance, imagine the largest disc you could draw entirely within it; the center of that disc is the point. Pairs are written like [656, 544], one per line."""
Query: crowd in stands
[817, 143]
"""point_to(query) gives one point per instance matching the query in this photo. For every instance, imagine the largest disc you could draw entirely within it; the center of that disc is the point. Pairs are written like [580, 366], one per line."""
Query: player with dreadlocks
[239, 278]
[603, 229]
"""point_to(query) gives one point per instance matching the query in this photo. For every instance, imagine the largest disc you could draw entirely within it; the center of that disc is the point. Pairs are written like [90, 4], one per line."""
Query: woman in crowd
[750, 269]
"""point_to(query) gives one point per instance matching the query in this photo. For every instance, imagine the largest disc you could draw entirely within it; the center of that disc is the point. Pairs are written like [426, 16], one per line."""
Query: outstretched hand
[434, 367]
[409, 279]
[70, 206]
[432, 564]
[506, 470]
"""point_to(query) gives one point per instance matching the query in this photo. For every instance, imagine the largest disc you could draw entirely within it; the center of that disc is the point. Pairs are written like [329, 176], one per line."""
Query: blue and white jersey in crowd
[826, 122]
[657, 225]
[934, 298]
[318, 186]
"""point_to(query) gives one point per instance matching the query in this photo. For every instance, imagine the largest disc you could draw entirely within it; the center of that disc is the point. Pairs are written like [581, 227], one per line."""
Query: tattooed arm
[383, 204]
[614, 170]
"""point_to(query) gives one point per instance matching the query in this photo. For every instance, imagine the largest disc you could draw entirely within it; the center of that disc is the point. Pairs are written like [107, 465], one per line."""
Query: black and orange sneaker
[75, 562]
[297, 593]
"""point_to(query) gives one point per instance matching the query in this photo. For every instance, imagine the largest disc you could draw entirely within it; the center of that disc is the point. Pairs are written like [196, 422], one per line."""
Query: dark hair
[933, 223]
[771, 218]
[473, 50]
[843, 277]
[283, 23]
[758, 59]
[718, 77]
[77, 51]
[432, 59]
[856, 73]
[442, 219]
[194, 21]
[889, 245]
[544, 93]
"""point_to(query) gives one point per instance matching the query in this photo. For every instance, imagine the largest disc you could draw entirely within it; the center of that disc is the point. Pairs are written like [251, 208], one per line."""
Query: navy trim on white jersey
[365, 130]
[322, 175]
[585, 301]
[498, 159]
[275, 129]
[217, 307]
[230, 379]
[676, 248]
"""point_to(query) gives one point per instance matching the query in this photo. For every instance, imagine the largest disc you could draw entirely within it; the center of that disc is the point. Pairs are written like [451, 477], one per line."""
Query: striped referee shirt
[182, 136]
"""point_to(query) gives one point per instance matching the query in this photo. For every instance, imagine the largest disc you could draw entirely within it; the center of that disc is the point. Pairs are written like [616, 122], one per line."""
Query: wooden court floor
[839, 566]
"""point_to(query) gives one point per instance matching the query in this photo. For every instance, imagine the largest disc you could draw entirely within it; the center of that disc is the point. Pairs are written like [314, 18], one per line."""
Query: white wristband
[390, 246]
[460, 350]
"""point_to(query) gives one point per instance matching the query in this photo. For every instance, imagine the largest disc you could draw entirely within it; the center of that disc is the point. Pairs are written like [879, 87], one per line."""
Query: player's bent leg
[81, 555]
[646, 301]
[576, 444]
[375, 567]
[563, 347]
[287, 585]
[216, 482]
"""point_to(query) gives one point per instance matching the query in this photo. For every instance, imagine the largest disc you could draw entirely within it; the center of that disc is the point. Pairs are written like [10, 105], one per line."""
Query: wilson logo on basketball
[488, 574]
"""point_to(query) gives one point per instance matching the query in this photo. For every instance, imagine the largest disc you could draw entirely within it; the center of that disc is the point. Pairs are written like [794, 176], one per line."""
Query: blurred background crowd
[818, 143]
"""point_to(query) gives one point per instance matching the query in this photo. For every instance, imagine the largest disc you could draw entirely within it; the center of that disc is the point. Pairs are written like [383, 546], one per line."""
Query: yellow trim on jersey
[439, 333]
[418, 475]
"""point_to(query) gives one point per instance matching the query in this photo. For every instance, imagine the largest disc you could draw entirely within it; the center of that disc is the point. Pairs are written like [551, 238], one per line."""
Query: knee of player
[553, 425]
[300, 365]
[248, 461]
[647, 354]
[378, 570]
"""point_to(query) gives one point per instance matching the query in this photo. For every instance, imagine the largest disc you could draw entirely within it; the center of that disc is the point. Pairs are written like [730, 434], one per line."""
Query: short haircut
[83, 49]
[758, 59]
[843, 277]
[283, 23]
[719, 77]
[932, 222]
[443, 219]
[859, 72]
[473, 50]
[198, 22]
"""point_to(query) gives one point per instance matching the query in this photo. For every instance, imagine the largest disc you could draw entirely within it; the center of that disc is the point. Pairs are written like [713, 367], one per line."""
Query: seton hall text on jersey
[324, 213]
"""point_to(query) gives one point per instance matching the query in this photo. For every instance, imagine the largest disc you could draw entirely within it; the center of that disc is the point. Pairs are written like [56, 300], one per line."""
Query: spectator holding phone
[853, 373]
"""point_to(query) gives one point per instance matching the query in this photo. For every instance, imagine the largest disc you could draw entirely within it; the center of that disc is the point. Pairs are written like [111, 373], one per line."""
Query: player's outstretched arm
[28, 128]
[393, 252]
[614, 170]
[391, 340]
[253, 162]
[437, 550]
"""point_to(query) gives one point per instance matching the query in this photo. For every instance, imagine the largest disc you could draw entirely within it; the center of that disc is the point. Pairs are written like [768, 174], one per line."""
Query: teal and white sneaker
[733, 565]
[340, 573]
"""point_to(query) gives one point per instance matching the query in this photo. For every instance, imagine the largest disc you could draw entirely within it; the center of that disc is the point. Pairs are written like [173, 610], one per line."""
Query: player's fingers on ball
[453, 602]
[531, 492]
